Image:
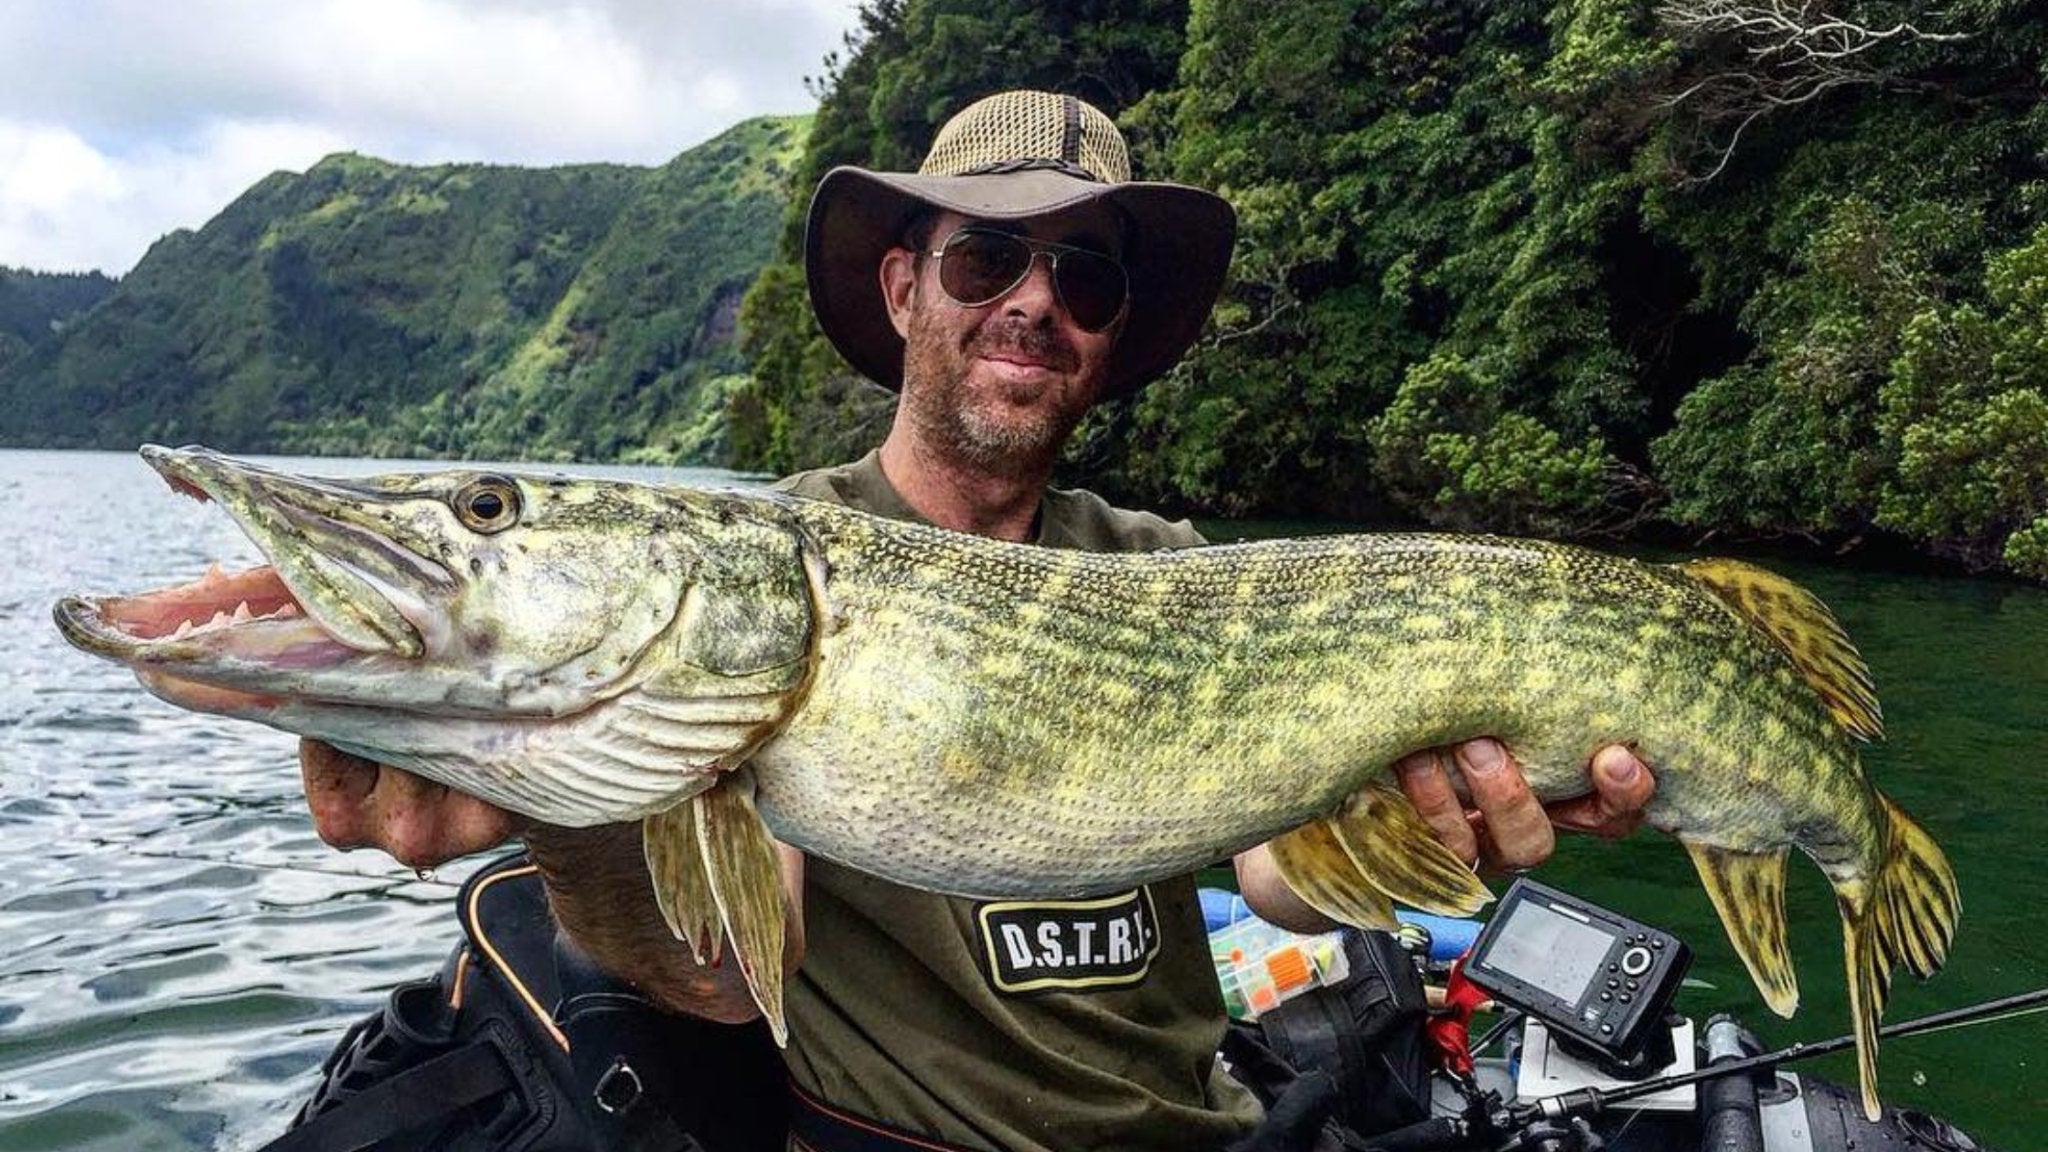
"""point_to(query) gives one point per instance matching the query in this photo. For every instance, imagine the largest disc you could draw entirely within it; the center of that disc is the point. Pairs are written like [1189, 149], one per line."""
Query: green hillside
[35, 306]
[459, 310]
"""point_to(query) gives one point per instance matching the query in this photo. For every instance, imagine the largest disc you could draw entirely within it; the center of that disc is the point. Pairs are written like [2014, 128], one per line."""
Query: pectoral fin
[718, 881]
[1319, 871]
[1395, 848]
[746, 881]
[1748, 890]
[682, 888]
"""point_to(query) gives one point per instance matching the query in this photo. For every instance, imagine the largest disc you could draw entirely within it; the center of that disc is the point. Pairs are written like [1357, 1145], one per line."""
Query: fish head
[450, 592]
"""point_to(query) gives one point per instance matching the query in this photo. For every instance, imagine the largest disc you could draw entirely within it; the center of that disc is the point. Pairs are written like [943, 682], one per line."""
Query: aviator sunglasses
[979, 266]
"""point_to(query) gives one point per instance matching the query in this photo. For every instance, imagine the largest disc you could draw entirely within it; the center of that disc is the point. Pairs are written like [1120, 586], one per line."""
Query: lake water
[178, 951]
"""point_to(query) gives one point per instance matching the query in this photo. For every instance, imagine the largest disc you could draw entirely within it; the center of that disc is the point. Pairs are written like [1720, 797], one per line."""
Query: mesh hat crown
[1011, 157]
[1030, 129]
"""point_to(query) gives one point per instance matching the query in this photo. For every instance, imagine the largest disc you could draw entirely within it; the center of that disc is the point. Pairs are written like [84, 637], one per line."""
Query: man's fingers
[1518, 835]
[409, 813]
[359, 803]
[338, 788]
[425, 825]
[1428, 786]
[1622, 787]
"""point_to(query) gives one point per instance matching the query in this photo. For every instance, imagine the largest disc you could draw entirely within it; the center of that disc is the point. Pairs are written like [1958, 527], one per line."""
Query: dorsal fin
[1807, 632]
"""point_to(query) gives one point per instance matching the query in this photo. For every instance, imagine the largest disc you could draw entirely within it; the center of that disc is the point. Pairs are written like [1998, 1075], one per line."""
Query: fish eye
[489, 504]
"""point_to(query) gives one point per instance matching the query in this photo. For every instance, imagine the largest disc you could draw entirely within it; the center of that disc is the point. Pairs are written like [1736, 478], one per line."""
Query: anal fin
[1748, 890]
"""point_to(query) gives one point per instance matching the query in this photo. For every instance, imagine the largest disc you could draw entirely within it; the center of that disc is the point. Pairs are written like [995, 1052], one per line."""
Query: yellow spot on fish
[1423, 623]
[1073, 790]
[960, 768]
[1311, 611]
[1539, 679]
[1116, 693]
[1002, 666]
[1724, 671]
[1327, 699]
[1628, 681]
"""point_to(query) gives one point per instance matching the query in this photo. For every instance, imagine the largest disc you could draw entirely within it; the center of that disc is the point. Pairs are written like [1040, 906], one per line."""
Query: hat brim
[1177, 252]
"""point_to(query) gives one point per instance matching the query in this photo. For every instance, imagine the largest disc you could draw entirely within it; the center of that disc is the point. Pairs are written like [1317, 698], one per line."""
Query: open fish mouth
[250, 614]
[308, 610]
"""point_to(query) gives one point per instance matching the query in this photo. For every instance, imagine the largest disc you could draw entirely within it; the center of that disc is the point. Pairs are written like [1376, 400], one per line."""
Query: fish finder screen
[1551, 951]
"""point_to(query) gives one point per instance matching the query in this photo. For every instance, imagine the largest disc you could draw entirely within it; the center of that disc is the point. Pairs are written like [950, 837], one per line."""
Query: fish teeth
[242, 615]
[184, 630]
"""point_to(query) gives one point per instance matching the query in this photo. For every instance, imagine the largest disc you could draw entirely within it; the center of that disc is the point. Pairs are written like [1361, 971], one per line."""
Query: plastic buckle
[619, 1088]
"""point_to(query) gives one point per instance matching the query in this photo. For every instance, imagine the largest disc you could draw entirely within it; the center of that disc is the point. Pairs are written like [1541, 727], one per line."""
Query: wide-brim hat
[1016, 156]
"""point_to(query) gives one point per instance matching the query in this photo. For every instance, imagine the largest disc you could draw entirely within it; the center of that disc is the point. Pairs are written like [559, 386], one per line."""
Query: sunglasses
[979, 266]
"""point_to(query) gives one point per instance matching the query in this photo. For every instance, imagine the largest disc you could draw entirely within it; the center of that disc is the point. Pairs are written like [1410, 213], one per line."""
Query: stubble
[990, 431]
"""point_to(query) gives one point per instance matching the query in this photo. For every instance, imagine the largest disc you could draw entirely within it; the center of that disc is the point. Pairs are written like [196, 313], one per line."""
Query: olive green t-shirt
[1013, 1025]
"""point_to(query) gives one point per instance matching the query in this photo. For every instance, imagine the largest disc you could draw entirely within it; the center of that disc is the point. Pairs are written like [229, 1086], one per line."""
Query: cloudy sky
[121, 120]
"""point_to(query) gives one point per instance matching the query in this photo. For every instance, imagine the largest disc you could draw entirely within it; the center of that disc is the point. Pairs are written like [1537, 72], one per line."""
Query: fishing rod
[418, 875]
[1561, 1121]
[1592, 1101]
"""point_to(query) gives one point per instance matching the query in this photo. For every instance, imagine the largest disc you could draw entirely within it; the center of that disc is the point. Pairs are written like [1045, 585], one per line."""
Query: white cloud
[123, 119]
[66, 206]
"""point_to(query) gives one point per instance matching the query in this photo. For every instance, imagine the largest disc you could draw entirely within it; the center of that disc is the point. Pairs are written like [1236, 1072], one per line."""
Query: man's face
[1005, 381]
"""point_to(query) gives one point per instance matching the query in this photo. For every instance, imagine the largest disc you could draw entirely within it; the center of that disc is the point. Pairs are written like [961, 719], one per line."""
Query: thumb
[1622, 788]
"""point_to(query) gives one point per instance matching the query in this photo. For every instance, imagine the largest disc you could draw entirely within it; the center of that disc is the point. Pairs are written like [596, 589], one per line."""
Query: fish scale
[996, 720]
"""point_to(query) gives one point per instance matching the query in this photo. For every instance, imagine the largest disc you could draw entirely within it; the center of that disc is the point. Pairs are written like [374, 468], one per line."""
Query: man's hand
[1505, 829]
[596, 877]
[358, 803]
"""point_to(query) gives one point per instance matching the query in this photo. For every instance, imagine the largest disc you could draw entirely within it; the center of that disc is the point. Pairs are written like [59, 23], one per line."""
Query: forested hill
[372, 308]
[34, 306]
[1572, 267]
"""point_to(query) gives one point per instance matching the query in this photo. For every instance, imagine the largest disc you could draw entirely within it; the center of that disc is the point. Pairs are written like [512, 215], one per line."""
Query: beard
[1000, 424]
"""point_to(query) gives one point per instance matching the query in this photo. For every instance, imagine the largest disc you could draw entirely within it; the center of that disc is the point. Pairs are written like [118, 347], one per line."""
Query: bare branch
[1794, 53]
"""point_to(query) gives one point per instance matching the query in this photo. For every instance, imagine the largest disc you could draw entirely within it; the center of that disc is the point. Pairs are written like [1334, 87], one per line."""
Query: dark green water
[178, 951]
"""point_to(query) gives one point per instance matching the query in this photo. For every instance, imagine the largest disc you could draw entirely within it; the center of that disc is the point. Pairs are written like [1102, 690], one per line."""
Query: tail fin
[1910, 919]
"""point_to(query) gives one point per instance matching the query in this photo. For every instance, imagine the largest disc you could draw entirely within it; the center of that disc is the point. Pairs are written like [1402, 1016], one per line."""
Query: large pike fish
[998, 720]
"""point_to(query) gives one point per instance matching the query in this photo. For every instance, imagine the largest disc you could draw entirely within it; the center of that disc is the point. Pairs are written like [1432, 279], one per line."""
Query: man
[1019, 278]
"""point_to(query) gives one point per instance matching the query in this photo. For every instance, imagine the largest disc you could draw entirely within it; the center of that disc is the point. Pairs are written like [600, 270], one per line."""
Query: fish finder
[1599, 981]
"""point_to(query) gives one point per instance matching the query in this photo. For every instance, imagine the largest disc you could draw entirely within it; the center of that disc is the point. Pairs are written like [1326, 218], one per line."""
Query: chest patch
[1069, 945]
